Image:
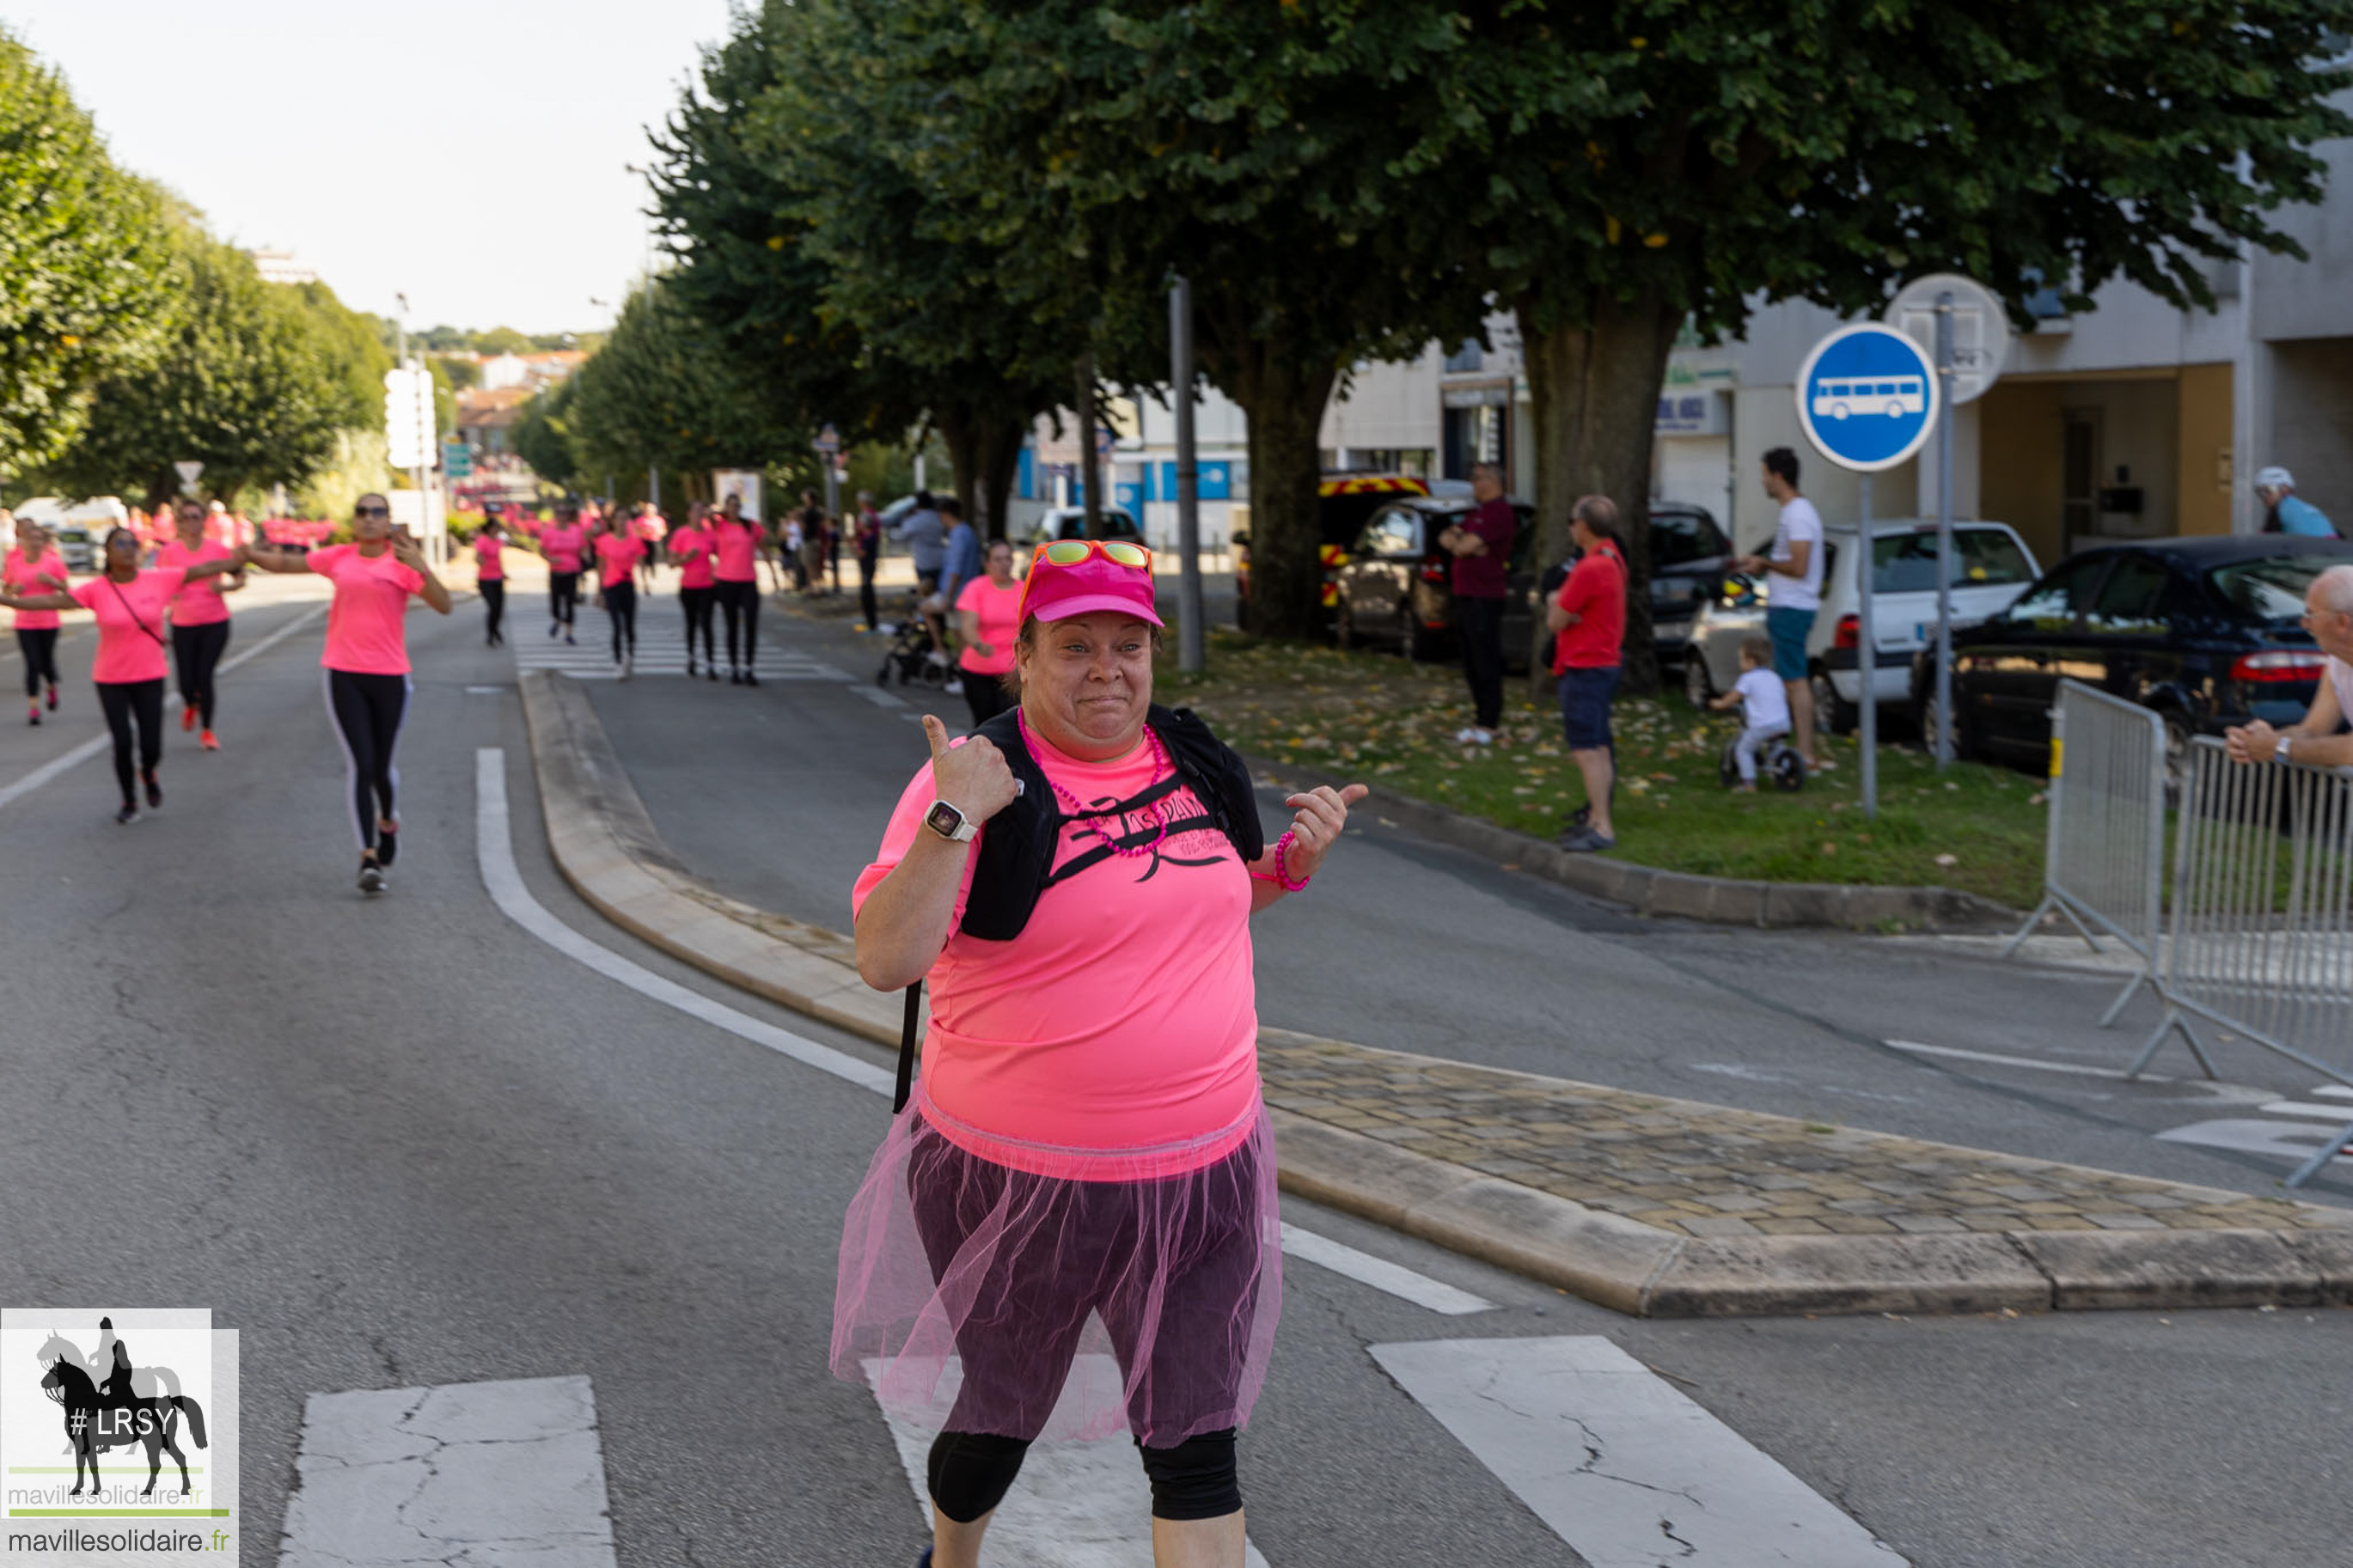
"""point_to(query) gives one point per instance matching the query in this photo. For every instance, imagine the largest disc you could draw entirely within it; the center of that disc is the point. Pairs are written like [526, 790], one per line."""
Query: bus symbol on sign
[1867, 397]
[1898, 396]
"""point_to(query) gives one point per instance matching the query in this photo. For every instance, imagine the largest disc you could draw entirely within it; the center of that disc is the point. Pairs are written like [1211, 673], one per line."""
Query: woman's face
[121, 552]
[372, 520]
[192, 525]
[32, 538]
[732, 509]
[1000, 562]
[1086, 682]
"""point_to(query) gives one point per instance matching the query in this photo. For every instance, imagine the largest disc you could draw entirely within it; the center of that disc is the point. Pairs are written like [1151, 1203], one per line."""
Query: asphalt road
[405, 1141]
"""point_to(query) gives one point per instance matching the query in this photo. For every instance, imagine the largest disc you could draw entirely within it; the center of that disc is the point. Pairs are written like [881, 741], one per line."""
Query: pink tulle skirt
[976, 1297]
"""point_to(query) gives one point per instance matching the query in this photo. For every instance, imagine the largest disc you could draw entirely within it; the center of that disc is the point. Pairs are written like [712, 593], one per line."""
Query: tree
[541, 436]
[356, 354]
[83, 257]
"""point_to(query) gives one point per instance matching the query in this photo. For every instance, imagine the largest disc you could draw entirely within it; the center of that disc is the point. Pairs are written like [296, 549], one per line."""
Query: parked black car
[1689, 556]
[2207, 632]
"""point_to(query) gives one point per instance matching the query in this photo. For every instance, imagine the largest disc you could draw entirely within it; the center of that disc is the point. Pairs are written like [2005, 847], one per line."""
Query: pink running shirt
[561, 546]
[200, 603]
[364, 634]
[489, 566]
[692, 548]
[1123, 1017]
[47, 576]
[131, 624]
[615, 557]
[999, 610]
[739, 553]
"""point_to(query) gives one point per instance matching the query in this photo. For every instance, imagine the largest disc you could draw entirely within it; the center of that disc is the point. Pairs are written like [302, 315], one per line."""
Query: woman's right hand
[974, 777]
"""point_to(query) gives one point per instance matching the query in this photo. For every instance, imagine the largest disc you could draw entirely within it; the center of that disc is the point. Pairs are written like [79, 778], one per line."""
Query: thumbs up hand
[974, 777]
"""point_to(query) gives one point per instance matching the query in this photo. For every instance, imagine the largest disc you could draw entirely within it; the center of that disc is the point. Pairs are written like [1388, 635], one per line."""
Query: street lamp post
[1192, 654]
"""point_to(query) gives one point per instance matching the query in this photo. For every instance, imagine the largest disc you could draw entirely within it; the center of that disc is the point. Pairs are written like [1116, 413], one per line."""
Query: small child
[1765, 705]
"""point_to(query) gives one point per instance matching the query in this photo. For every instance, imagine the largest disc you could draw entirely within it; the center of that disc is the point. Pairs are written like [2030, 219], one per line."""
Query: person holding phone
[129, 670]
[199, 617]
[367, 662]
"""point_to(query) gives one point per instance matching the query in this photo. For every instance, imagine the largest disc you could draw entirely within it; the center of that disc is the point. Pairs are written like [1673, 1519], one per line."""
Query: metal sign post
[1866, 656]
[1191, 643]
[1943, 737]
[828, 442]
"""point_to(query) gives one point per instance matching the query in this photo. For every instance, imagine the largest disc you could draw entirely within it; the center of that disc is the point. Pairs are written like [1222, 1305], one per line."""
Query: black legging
[195, 651]
[563, 597]
[985, 695]
[698, 618]
[740, 601]
[621, 607]
[122, 701]
[866, 591]
[494, 599]
[39, 646]
[367, 710]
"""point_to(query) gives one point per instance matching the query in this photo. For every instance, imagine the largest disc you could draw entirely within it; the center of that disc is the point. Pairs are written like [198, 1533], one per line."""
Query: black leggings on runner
[39, 646]
[197, 650]
[739, 600]
[124, 702]
[622, 608]
[698, 618]
[563, 597]
[367, 710]
[494, 600]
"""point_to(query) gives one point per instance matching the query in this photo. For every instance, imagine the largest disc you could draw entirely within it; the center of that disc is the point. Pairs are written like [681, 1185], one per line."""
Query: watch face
[944, 818]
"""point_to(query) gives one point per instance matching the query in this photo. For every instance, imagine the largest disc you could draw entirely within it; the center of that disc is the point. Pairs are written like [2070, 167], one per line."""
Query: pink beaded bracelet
[1282, 872]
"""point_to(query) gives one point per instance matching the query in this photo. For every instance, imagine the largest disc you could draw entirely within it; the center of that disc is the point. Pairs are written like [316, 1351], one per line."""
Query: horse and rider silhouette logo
[109, 1402]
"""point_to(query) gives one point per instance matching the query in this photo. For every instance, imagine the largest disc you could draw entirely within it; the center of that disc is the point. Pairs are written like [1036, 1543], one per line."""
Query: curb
[1727, 900]
[605, 845]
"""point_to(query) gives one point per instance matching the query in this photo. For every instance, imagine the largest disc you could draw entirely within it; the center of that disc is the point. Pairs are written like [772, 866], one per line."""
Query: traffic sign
[829, 441]
[408, 418]
[1867, 397]
[188, 470]
[1981, 329]
[457, 460]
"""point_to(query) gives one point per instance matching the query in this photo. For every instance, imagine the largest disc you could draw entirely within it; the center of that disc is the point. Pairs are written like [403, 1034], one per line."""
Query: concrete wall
[2312, 422]
[2202, 421]
[2022, 434]
[2297, 299]
[1386, 406]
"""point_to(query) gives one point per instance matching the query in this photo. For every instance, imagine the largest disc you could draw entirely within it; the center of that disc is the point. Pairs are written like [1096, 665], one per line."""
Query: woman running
[129, 668]
[739, 543]
[691, 549]
[562, 544]
[989, 617]
[618, 551]
[490, 577]
[366, 663]
[34, 567]
[199, 616]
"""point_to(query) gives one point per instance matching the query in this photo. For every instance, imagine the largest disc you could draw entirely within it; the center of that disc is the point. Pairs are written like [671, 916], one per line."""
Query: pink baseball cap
[1056, 592]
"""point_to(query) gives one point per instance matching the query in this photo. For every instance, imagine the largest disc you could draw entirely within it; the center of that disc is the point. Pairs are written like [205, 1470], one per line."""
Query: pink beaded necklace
[1077, 809]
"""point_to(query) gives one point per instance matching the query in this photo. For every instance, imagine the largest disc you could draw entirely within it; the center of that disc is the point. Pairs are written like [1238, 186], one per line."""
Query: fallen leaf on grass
[1948, 859]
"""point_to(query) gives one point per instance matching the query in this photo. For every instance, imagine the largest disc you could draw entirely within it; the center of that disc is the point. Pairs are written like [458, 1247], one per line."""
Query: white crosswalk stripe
[2287, 1130]
[661, 644]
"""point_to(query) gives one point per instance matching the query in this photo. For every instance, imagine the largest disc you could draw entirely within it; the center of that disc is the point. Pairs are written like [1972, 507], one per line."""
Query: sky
[469, 156]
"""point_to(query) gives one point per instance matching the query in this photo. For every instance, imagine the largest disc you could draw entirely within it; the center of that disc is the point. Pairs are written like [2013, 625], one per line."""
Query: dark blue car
[2207, 632]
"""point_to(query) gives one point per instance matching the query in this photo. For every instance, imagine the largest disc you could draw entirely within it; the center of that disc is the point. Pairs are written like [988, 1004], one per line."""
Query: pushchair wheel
[1787, 768]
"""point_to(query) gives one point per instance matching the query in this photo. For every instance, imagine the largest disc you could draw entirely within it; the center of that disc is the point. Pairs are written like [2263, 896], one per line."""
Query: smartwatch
[2279, 752]
[951, 823]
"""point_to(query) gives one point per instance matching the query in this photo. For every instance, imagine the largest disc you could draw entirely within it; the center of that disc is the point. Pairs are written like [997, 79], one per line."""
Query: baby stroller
[909, 660]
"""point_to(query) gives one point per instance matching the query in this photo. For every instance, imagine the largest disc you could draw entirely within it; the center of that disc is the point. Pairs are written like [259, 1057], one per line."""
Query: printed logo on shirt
[117, 1435]
[1167, 824]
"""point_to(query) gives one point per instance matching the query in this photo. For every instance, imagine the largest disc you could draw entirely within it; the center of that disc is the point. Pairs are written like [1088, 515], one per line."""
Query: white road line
[2303, 1126]
[495, 849]
[880, 697]
[1624, 1467]
[475, 1474]
[1995, 1058]
[1381, 1274]
[75, 756]
[1078, 1505]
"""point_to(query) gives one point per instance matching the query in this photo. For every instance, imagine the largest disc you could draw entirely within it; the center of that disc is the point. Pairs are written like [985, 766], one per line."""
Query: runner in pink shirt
[738, 541]
[366, 663]
[34, 566]
[128, 606]
[618, 551]
[691, 549]
[199, 617]
[652, 528]
[564, 544]
[1085, 1168]
[987, 619]
[491, 578]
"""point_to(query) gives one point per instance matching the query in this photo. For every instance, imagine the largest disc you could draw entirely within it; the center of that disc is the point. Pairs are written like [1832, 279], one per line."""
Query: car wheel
[1834, 713]
[1698, 689]
[1931, 721]
[1416, 641]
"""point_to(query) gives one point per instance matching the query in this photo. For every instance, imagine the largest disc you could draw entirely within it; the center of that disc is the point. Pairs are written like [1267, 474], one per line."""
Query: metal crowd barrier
[2103, 863]
[2260, 932]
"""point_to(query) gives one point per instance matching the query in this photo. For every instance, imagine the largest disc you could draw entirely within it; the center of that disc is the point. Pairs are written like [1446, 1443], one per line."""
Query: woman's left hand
[1319, 816]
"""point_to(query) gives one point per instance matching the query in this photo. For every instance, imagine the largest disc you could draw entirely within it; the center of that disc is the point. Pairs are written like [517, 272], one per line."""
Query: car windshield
[2271, 589]
[1982, 558]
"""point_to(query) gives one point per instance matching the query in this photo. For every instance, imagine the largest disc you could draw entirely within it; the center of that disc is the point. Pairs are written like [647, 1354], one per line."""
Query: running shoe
[711, 672]
[128, 814]
[387, 846]
[209, 741]
[154, 793]
[953, 689]
[750, 678]
[371, 876]
[35, 717]
[734, 677]
[53, 699]
[187, 720]
[569, 641]
[553, 627]
[689, 666]
[1585, 840]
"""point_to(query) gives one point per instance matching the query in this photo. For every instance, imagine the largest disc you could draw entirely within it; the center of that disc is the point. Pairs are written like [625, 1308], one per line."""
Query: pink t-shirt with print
[615, 557]
[1124, 1017]
[364, 630]
[47, 576]
[691, 548]
[199, 602]
[130, 624]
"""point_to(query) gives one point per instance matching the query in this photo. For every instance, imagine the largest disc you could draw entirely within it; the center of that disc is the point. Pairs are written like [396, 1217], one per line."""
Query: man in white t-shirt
[2315, 739]
[1794, 568]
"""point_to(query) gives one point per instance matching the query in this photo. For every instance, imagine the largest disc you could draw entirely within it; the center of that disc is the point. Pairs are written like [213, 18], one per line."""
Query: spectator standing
[1795, 570]
[813, 534]
[2316, 738]
[868, 541]
[1589, 619]
[789, 546]
[1481, 546]
[2288, 513]
[959, 564]
[925, 537]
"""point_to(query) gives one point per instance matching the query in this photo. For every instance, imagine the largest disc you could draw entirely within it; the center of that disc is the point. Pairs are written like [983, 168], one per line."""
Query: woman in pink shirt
[1085, 1169]
[199, 617]
[690, 549]
[33, 567]
[563, 545]
[366, 663]
[618, 551]
[987, 619]
[738, 543]
[491, 578]
[129, 604]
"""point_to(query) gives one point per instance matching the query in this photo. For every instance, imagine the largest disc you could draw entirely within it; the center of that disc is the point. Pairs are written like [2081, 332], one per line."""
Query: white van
[78, 530]
[1991, 566]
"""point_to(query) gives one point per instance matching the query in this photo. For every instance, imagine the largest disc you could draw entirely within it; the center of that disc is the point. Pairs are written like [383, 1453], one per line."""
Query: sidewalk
[1649, 1204]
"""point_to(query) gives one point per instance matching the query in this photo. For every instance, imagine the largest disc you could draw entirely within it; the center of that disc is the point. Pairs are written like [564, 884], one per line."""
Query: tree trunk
[984, 442]
[1283, 398]
[1596, 390]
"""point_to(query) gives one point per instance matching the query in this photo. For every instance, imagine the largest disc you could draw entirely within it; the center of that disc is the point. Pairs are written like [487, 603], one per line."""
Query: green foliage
[356, 358]
[542, 435]
[661, 392]
[84, 251]
[354, 466]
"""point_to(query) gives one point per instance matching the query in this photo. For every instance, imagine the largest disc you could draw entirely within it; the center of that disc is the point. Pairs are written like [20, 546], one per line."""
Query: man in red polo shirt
[1589, 620]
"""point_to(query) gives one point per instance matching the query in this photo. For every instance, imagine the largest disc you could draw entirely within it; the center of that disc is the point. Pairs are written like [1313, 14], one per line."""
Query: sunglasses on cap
[1118, 551]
